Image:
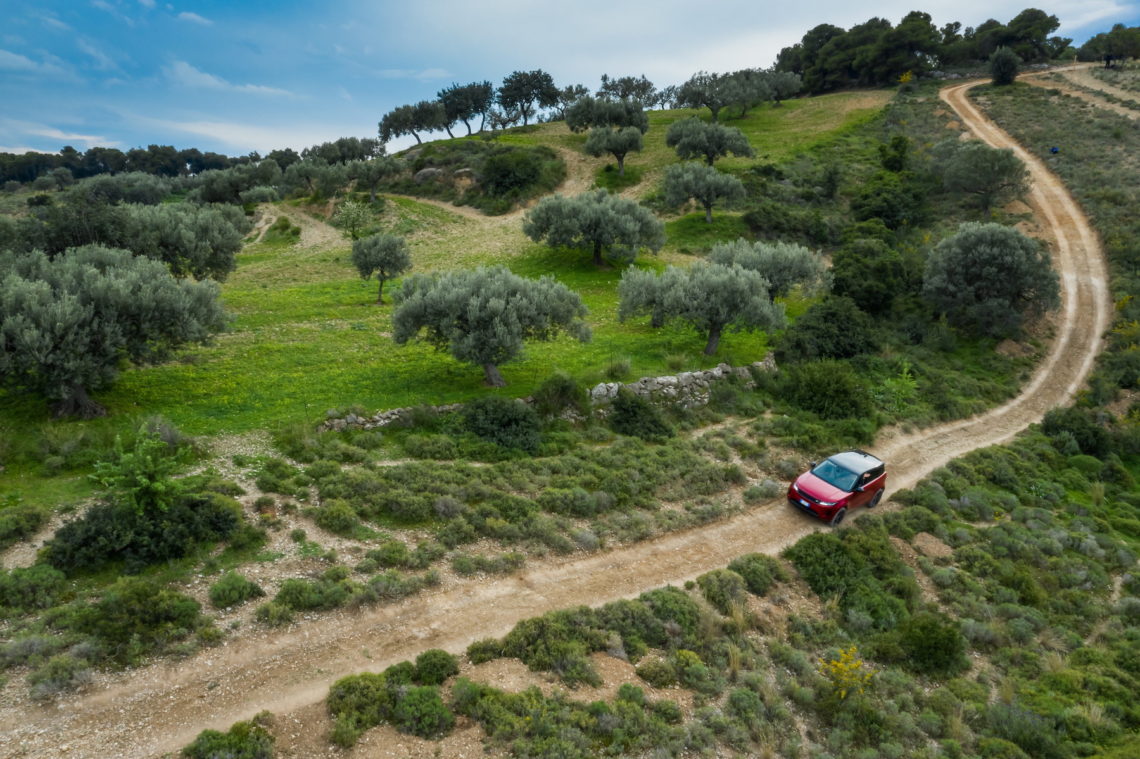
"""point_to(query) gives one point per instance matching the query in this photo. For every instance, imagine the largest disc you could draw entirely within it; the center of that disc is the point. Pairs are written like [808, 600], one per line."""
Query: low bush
[244, 740]
[632, 415]
[20, 522]
[560, 394]
[470, 564]
[357, 703]
[60, 674]
[233, 590]
[136, 617]
[337, 516]
[36, 587]
[111, 532]
[722, 588]
[419, 710]
[434, 666]
[506, 422]
[760, 572]
[829, 388]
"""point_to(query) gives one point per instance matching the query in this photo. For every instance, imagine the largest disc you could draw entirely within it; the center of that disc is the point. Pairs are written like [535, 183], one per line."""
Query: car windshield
[833, 474]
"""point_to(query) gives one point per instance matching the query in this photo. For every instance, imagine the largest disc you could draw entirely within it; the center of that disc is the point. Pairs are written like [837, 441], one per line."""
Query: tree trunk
[621, 165]
[710, 158]
[467, 124]
[448, 128]
[372, 195]
[380, 294]
[78, 404]
[494, 378]
[714, 340]
[598, 254]
[708, 212]
[418, 140]
[715, 111]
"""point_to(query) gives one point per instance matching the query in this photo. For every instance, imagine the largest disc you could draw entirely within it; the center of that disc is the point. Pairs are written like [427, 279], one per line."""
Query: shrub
[273, 614]
[832, 328]
[244, 740]
[1004, 66]
[356, 703]
[327, 592]
[434, 666]
[484, 650]
[831, 389]
[337, 516]
[506, 422]
[391, 553]
[36, 587]
[722, 588]
[559, 394]
[506, 563]
[630, 414]
[111, 532]
[59, 674]
[136, 616]
[659, 673]
[1077, 424]
[232, 590]
[933, 644]
[419, 710]
[20, 522]
[760, 572]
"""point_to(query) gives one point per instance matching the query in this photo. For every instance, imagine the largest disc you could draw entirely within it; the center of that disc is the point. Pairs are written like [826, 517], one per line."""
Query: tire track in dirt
[161, 707]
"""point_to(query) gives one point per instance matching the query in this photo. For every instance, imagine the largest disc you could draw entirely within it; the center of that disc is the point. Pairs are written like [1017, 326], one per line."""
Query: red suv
[845, 481]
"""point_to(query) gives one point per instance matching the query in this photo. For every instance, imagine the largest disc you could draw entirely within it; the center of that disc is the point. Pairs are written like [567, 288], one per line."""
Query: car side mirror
[859, 488]
[812, 464]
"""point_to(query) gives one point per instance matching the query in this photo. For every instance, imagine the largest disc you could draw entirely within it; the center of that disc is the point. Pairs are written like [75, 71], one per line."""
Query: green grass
[692, 234]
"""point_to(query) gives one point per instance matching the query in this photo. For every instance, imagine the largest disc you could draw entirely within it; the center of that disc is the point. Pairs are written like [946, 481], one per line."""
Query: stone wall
[687, 390]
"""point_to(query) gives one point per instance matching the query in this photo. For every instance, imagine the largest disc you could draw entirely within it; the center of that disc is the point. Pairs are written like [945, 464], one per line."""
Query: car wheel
[875, 501]
[835, 520]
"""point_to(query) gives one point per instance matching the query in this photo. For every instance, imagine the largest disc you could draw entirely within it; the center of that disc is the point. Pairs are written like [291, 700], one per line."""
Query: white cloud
[26, 129]
[19, 150]
[243, 138]
[50, 20]
[103, 61]
[194, 18]
[186, 75]
[16, 62]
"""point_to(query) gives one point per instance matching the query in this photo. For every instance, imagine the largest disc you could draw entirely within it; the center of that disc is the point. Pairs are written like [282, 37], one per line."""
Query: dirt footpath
[160, 708]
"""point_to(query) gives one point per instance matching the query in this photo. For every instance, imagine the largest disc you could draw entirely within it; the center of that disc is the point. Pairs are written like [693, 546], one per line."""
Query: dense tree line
[1119, 44]
[877, 53]
[70, 164]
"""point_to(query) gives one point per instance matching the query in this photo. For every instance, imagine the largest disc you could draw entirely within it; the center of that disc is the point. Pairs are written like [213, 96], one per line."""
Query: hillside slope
[161, 707]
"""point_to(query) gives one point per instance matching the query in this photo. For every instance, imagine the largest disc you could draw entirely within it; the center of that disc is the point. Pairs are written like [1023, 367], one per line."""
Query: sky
[235, 76]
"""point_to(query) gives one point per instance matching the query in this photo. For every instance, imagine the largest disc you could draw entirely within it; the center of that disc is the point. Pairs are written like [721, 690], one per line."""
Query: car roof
[856, 461]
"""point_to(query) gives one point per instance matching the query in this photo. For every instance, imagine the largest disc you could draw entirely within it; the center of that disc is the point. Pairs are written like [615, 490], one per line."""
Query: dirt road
[161, 707]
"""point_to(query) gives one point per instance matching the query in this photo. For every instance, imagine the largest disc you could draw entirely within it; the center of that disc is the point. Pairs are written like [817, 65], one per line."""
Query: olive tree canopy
[68, 323]
[595, 221]
[483, 316]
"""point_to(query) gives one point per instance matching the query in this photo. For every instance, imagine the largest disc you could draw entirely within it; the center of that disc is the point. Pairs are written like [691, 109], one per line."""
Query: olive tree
[710, 297]
[616, 142]
[694, 138]
[465, 102]
[384, 255]
[352, 216]
[595, 221]
[483, 316]
[68, 323]
[783, 264]
[706, 185]
[194, 240]
[992, 175]
[988, 278]
[705, 90]
[371, 173]
[589, 112]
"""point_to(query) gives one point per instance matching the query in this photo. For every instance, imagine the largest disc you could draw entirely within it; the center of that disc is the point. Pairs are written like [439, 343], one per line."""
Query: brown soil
[161, 707]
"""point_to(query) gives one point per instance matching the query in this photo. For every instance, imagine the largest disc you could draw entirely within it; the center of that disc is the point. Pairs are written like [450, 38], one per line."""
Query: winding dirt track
[162, 707]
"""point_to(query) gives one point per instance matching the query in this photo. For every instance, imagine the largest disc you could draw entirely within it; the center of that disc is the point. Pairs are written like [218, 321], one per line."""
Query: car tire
[838, 518]
[875, 501]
